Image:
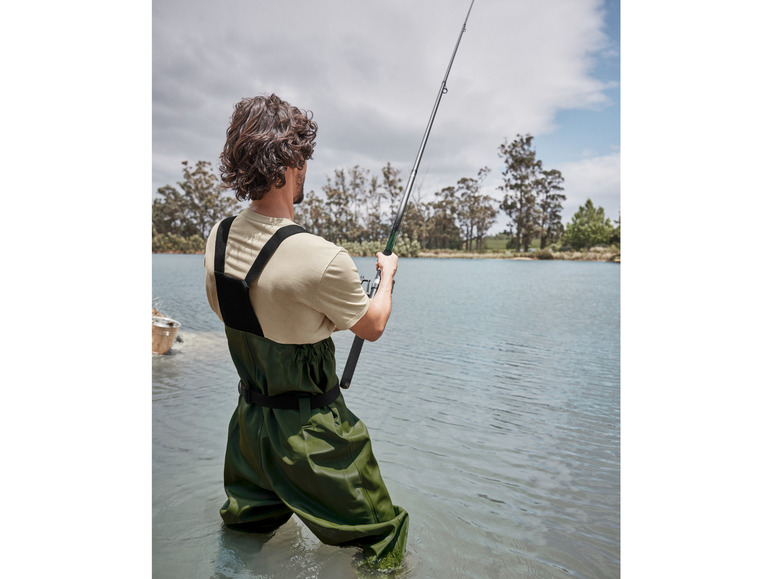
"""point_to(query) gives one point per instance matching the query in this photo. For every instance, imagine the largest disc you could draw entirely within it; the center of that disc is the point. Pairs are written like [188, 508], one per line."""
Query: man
[293, 445]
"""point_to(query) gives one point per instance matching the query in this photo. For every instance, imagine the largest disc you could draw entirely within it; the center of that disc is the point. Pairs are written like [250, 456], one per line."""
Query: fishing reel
[370, 285]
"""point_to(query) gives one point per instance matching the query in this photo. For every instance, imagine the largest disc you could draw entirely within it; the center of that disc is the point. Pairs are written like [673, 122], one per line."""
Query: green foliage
[352, 208]
[357, 210]
[404, 247]
[189, 210]
[442, 230]
[550, 205]
[460, 215]
[589, 227]
[533, 245]
[520, 176]
[616, 234]
[544, 254]
[363, 248]
[312, 214]
[476, 212]
[346, 196]
[391, 182]
[532, 198]
[497, 242]
[407, 247]
[171, 243]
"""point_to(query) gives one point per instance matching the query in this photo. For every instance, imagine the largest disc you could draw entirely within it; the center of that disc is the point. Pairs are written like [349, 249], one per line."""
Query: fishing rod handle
[351, 362]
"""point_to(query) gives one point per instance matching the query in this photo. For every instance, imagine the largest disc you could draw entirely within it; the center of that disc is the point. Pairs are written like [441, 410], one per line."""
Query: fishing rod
[356, 346]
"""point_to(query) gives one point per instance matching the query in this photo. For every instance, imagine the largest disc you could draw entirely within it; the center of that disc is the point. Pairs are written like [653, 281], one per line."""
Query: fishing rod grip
[351, 362]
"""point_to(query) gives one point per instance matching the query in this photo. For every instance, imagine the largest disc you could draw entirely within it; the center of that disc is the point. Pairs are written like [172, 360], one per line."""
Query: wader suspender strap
[237, 313]
[233, 293]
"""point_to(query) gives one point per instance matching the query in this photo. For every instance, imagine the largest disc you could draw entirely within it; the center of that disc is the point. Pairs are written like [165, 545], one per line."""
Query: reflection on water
[493, 405]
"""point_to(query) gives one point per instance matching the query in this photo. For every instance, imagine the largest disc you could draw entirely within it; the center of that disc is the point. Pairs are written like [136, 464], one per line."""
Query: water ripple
[493, 410]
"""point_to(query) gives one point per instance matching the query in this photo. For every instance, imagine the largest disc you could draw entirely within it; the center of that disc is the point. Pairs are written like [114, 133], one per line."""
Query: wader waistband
[289, 400]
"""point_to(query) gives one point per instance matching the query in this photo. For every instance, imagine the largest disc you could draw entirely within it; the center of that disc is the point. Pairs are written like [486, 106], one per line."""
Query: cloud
[595, 178]
[370, 72]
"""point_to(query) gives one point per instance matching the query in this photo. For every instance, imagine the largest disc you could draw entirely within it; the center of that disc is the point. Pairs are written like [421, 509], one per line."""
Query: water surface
[492, 401]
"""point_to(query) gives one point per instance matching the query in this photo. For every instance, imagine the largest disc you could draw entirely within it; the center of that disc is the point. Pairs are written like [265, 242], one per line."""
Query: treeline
[356, 209]
[183, 218]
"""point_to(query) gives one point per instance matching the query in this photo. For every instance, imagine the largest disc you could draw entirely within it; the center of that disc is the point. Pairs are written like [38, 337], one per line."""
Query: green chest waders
[293, 445]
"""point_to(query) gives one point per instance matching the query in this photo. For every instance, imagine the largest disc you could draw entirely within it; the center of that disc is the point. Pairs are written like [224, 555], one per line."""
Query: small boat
[164, 333]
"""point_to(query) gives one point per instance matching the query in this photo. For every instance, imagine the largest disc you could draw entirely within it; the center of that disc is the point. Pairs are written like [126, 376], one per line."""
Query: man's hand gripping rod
[356, 346]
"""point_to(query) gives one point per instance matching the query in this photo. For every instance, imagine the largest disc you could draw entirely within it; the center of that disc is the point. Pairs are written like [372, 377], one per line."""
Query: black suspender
[268, 250]
[233, 293]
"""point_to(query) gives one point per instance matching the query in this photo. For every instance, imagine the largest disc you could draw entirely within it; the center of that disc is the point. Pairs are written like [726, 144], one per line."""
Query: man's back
[309, 287]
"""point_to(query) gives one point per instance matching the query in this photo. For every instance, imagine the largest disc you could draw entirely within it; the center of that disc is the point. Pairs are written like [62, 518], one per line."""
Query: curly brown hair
[266, 136]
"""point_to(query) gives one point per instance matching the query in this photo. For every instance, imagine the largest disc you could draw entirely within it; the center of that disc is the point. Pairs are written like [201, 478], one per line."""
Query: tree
[415, 222]
[341, 207]
[391, 181]
[372, 202]
[484, 218]
[616, 235]
[589, 227]
[312, 214]
[443, 233]
[365, 204]
[550, 204]
[476, 213]
[195, 207]
[521, 174]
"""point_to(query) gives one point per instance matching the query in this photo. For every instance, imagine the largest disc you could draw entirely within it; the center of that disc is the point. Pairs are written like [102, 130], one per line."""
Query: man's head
[266, 137]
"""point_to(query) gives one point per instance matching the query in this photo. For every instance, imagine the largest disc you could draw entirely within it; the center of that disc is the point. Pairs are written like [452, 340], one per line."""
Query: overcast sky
[76, 113]
[370, 73]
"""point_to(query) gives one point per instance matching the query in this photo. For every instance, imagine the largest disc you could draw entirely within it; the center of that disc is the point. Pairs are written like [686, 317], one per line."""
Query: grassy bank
[591, 255]
[595, 254]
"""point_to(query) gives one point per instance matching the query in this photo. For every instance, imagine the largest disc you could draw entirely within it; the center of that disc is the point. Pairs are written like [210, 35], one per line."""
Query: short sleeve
[339, 295]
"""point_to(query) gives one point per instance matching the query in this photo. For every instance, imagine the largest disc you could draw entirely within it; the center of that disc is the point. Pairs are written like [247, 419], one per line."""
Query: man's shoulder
[307, 249]
[314, 240]
[315, 247]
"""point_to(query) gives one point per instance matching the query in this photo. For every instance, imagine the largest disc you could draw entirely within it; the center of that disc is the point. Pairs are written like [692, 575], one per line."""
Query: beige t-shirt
[308, 288]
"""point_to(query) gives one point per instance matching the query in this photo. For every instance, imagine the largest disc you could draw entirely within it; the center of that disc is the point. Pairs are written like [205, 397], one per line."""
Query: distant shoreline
[610, 255]
[607, 256]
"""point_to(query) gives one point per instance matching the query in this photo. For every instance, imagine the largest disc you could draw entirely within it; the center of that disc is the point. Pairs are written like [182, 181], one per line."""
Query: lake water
[492, 401]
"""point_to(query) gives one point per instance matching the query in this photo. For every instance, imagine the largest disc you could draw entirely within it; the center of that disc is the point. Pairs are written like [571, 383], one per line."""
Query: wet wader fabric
[314, 462]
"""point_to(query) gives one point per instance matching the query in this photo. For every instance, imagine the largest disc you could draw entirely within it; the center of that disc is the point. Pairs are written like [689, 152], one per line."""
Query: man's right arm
[371, 326]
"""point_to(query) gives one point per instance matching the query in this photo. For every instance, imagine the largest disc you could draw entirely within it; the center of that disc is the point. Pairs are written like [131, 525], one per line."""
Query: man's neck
[278, 202]
[273, 206]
